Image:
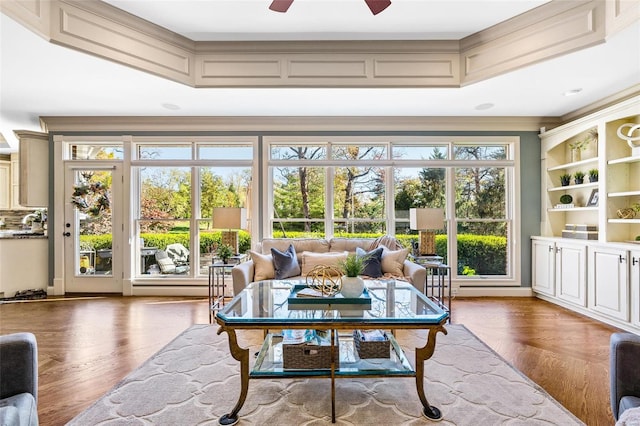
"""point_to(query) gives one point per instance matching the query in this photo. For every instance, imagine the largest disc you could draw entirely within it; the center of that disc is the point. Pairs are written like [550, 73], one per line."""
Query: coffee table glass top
[392, 303]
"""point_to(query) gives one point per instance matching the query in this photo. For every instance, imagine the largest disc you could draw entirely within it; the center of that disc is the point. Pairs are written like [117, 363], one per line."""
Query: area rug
[194, 380]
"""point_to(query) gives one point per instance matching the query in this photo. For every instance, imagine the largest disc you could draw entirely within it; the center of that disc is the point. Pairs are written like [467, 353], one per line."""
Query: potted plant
[593, 175]
[565, 179]
[352, 283]
[578, 177]
[224, 253]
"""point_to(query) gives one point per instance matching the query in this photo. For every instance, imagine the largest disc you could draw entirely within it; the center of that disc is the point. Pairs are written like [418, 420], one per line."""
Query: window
[178, 185]
[342, 187]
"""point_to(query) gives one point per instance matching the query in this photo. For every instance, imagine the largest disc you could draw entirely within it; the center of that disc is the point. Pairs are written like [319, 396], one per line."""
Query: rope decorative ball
[325, 279]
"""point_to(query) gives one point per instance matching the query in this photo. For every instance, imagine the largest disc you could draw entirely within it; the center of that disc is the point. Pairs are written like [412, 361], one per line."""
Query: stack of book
[580, 231]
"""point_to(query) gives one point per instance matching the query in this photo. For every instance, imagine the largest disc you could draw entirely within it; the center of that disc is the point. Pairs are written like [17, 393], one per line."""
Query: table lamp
[230, 218]
[425, 221]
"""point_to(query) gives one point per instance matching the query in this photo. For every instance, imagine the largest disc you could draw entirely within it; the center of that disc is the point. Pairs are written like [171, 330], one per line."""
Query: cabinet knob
[635, 261]
[66, 234]
[622, 259]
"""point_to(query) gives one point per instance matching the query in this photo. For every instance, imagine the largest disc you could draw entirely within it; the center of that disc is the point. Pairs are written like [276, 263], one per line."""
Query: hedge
[477, 254]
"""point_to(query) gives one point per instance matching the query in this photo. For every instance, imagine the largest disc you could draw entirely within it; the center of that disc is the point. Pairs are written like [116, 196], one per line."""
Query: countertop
[14, 234]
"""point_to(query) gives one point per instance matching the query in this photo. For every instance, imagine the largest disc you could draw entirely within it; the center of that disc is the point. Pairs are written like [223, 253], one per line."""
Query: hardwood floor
[87, 345]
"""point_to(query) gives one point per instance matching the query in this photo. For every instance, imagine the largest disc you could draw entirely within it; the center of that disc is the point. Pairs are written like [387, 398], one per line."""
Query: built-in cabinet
[34, 169]
[559, 270]
[5, 184]
[597, 270]
[609, 281]
[634, 282]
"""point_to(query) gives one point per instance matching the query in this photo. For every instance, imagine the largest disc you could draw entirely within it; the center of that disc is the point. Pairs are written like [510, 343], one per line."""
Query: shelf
[623, 221]
[568, 187]
[624, 160]
[574, 164]
[269, 361]
[623, 194]
[574, 209]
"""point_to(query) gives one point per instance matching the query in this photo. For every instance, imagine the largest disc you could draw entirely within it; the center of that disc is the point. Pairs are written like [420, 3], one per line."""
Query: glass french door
[93, 228]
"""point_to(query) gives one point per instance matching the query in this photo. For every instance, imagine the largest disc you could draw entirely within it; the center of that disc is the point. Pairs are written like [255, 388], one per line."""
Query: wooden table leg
[242, 355]
[423, 354]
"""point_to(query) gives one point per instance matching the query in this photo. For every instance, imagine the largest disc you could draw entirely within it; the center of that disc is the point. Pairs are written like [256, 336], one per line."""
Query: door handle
[66, 234]
[634, 261]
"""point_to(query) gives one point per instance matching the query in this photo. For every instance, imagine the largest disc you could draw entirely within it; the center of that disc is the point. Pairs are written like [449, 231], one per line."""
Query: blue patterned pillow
[373, 263]
[285, 264]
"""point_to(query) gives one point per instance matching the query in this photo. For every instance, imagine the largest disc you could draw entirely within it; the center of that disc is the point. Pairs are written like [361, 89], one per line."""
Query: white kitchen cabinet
[15, 182]
[634, 281]
[23, 264]
[571, 272]
[5, 185]
[34, 168]
[609, 281]
[543, 266]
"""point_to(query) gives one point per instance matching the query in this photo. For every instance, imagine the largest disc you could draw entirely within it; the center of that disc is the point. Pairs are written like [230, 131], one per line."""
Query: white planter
[352, 286]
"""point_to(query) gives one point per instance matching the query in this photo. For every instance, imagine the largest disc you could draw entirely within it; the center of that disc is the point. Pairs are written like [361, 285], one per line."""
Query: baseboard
[494, 292]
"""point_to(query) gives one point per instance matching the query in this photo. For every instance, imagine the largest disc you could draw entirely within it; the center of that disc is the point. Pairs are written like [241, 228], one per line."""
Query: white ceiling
[38, 78]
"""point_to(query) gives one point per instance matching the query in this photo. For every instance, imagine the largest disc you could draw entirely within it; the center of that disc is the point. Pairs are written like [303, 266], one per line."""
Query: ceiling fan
[376, 6]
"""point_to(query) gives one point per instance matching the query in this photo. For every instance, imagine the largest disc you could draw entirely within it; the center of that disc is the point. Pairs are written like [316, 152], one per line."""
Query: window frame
[511, 164]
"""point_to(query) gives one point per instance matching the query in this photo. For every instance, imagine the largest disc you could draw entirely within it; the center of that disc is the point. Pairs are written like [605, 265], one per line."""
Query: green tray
[363, 302]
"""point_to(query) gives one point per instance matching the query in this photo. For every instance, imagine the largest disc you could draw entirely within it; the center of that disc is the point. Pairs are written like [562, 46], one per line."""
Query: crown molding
[97, 28]
[264, 124]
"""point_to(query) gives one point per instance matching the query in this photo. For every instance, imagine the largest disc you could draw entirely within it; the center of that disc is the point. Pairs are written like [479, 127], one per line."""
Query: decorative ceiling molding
[292, 124]
[97, 28]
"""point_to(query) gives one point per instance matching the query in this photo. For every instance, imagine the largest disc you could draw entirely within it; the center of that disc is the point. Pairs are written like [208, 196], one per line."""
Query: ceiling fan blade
[280, 5]
[377, 6]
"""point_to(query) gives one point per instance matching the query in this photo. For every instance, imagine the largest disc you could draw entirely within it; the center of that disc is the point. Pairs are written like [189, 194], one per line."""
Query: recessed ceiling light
[572, 92]
[172, 107]
[487, 105]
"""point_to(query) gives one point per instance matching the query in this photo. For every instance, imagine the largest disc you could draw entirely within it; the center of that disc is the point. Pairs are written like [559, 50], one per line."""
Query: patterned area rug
[194, 380]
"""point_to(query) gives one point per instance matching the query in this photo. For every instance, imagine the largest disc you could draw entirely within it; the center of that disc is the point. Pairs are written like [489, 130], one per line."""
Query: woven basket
[371, 349]
[309, 357]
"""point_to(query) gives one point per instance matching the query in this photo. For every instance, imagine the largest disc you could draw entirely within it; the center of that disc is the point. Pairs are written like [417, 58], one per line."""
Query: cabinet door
[635, 287]
[5, 185]
[571, 273]
[34, 169]
[609, 281]
[542, 267]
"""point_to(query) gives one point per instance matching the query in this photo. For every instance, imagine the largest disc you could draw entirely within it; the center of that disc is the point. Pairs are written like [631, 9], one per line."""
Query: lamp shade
[423, 219]
[229, 218]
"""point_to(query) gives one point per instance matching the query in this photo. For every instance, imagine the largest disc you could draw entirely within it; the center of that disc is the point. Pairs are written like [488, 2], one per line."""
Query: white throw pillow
[310, 260]
[262, 266]
[393, 261]
[166, 265]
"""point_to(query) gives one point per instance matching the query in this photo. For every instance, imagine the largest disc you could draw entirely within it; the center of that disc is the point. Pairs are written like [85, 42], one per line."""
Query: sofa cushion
[393, 261]
[317, 245]
[165, 263]
[310, 260]
[285, 263]
[373, 261]
[349, 244]
[21, 407]
[630, 416]
[263, 266]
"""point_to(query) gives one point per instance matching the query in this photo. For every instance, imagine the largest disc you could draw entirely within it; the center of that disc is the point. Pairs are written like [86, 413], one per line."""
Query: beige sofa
[244, 273]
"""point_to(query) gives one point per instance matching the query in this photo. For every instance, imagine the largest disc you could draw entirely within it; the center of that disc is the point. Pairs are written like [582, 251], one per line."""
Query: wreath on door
[91, 198]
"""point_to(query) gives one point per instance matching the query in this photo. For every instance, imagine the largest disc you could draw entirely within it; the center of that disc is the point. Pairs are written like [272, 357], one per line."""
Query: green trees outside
[358, 198]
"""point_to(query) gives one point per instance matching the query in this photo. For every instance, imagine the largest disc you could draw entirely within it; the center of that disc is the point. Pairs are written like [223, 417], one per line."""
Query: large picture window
[365, 188]
[178, 185]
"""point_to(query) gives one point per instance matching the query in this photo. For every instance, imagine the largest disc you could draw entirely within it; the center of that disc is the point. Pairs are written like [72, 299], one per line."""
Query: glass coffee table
[265, 305]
